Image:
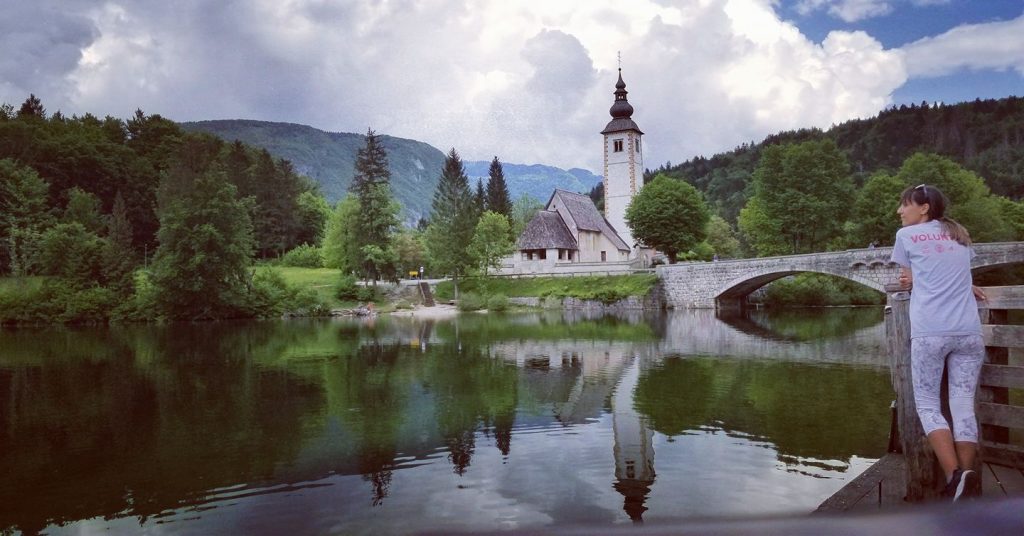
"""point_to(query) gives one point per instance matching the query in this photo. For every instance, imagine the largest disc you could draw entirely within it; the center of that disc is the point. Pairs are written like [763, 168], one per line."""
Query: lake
[395, 425]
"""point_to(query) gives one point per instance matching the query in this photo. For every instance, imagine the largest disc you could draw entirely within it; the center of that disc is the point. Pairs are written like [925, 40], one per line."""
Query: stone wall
[557, 268]
[655, 299]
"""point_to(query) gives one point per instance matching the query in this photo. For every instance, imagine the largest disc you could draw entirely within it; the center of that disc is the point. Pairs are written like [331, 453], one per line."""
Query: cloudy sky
[530, 81]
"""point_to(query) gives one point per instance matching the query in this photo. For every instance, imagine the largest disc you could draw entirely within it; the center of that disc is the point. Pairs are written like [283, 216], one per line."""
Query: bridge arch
[728, 283]
[742, 287]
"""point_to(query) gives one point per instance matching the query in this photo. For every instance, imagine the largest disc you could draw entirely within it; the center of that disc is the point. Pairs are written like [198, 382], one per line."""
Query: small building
[570, 229]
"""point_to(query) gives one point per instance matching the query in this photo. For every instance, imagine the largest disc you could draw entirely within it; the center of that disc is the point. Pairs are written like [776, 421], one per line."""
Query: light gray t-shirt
[942, 302]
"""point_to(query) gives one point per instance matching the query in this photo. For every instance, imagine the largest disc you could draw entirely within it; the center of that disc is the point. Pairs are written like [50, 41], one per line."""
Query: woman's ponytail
[956, 231]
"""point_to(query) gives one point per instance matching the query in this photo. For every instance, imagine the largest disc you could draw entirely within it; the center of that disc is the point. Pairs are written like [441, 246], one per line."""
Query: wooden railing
[999, 410]
[1002, 418]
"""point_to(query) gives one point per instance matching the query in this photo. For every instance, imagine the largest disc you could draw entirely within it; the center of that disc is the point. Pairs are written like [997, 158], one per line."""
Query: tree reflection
[147, 424]
[804, 410]
[470, 389]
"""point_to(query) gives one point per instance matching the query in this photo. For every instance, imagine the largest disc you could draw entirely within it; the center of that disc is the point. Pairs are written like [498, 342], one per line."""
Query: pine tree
[480, 199]
[118, 255]
[32, 108]
[378, 210]
[275, 189]
[453, 220]
[371, 165]
[498, 198]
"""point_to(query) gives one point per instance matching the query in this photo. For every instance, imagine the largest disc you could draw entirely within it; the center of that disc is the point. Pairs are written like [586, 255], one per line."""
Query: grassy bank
[607, 289]
[322, 281]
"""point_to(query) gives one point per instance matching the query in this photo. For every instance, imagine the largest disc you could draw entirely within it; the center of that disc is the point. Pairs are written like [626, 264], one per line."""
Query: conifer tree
[480, 199]
[32, 108]
[453, 220]
[118, 255]
[498, 198]
[378, 210]
[371, 165]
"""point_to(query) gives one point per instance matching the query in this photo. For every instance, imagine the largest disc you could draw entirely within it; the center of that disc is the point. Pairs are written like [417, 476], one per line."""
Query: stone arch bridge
[726, 284]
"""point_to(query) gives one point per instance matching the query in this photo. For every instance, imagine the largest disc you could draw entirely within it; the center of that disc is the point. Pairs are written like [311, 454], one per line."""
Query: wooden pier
[909, 473]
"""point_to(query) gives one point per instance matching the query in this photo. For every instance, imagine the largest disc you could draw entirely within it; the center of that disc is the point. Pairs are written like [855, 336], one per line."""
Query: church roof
[586, 216]
[619, 124]
[546, 231]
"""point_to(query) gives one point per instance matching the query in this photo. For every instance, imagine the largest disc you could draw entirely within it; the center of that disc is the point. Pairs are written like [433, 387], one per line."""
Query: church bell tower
[623, 164]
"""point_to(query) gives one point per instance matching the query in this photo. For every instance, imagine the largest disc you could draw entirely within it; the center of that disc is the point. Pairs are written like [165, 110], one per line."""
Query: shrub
[366, 293]
[57, 301]
[347, 289]
[304, 256]
[141, 305]
[470, 301]
[270, 295]
[497, 302]
[608, 296]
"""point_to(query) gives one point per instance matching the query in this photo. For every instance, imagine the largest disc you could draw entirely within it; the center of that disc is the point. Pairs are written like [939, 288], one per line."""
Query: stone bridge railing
[728, 283]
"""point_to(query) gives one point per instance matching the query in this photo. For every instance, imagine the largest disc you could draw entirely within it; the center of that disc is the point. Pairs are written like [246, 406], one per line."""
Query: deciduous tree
[668, 215]
[201, 268]
[806, 189]
[873, 218]
[23, 215]
[341, 246]
[721, 238]
[491, 241]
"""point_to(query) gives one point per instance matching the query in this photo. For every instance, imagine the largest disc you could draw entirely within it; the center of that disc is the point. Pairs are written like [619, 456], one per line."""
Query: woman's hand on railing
[906, 279]
[978, 293]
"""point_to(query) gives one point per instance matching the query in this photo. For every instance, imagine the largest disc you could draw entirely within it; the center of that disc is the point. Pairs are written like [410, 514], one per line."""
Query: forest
[985, 137]
[86, 201]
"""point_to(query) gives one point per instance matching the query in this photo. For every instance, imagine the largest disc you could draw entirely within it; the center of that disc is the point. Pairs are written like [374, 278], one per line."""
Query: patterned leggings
[964, 355]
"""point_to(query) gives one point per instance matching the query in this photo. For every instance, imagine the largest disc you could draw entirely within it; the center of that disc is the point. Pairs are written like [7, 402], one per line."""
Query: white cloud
[847, 10]
[530, 82]
[995, 45]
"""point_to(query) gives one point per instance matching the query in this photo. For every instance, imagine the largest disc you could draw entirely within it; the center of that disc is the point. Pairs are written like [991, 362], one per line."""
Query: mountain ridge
[328, 158]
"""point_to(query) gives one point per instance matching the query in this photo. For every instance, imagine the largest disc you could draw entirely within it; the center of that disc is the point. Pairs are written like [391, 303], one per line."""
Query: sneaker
[971, 484]
[957, 488]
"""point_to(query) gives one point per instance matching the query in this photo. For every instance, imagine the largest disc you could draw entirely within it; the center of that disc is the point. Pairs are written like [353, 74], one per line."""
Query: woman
[945, 330]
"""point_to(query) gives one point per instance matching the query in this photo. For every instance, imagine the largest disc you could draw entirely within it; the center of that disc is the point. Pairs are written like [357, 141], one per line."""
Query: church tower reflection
[633, 448]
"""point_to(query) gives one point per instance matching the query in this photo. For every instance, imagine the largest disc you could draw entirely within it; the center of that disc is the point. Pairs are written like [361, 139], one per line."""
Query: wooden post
[925, 478]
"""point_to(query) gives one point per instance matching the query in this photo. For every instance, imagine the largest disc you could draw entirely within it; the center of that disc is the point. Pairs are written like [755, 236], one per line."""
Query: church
[570, 234]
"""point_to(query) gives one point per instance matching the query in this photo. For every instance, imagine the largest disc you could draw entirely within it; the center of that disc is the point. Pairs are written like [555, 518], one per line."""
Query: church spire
[621, 110]
[621, 107]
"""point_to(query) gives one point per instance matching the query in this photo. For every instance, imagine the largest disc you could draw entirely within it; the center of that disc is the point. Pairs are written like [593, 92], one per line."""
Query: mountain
[329, 158]
[536, 180]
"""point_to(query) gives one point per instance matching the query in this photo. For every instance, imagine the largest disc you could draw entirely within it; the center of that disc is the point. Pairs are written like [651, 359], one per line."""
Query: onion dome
[621, 110]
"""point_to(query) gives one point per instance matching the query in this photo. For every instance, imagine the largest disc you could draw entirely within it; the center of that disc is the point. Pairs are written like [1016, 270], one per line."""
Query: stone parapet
[728, 283]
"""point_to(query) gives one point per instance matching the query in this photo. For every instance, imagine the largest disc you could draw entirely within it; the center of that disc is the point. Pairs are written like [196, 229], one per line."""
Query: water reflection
[543, 419]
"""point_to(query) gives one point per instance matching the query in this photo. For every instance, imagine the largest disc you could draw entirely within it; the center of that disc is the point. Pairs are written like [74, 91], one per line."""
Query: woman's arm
[906, 279]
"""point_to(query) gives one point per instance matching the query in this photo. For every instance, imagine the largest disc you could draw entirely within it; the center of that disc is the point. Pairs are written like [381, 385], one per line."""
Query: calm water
[394, 425]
